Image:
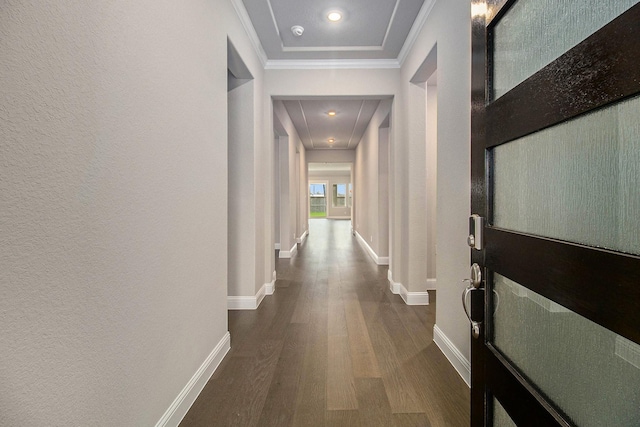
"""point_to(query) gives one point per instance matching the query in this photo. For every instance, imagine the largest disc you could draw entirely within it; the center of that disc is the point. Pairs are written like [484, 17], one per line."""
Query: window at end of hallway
[339, 195]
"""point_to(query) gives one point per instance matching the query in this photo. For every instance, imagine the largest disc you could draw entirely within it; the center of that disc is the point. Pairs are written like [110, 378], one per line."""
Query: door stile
[603, 70]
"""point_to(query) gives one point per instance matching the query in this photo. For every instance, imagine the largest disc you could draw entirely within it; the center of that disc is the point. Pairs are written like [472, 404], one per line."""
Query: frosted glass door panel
[578, 181]
[534, 33]
[500, 416]
[590, 373]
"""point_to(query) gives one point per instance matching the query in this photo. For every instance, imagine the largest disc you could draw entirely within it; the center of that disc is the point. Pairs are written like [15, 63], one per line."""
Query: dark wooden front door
[556, 177]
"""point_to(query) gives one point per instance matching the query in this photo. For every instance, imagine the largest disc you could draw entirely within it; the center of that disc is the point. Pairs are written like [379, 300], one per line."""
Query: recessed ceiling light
[331, 140]
[297, 30]
[331, 113]
[334, 16]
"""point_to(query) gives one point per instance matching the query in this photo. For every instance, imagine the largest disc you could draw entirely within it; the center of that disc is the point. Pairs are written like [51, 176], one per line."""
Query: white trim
[393, 15]
[328, 64]
[302, 238]
[394, 287]
[431, 284]
[451, 352]
[380, 260]
[276, 246]
[421, 19]
[338, 217]
[414, 298]
[241, 11]
[331, 48]
[247, 303]
[324, 64]
[270, 288]
[409, 298]
[289, 253]
[181, 404]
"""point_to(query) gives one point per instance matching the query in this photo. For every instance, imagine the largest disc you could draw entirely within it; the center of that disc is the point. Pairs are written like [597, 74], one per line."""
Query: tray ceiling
[315, 126]
[369, 29]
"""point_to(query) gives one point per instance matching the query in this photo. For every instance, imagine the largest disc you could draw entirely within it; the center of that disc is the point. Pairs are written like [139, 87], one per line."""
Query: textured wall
[112, 206]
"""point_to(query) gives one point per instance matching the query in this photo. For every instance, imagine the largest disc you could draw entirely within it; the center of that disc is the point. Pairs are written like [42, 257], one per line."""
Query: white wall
[382, 230]
[371, 183]
[331, 156]
[348, 82]
[448, 25]
[432, 180]
[416, 225]
[113, 186]
[293, 181]
[276, 191]
[242, 279]
[303, 193]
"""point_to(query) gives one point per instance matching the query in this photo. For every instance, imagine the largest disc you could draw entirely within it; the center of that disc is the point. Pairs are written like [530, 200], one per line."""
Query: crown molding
[421, 19]
[241, 11]
[326, 64]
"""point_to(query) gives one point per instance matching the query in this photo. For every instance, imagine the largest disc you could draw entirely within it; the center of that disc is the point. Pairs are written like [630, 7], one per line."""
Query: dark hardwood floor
[332, 347]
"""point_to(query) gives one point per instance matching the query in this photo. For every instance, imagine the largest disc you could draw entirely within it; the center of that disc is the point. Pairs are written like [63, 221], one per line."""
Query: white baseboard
[456, 358]
[180, 406]
[378, 259]
[276, 246]
[414, 298]
[269, 288]
[409, 298]
[394, 287]
[431, 284]
[302, 238]
[247, 302]
[289, 253]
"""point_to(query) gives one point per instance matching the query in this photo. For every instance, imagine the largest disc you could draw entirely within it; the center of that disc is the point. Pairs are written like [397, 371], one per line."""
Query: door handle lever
[474, 284]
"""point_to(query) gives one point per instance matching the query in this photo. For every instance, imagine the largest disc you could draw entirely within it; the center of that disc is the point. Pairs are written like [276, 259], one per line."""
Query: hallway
[333, 346]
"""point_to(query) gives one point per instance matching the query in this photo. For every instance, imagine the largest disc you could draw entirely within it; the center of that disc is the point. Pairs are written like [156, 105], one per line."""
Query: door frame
[580, 273]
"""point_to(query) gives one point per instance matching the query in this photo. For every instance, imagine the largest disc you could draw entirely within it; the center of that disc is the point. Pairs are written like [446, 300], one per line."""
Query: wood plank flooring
[332, 347]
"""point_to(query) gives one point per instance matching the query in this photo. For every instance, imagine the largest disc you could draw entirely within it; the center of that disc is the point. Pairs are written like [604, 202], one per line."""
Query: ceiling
[369, 29]
[370, 33]
[315, 127]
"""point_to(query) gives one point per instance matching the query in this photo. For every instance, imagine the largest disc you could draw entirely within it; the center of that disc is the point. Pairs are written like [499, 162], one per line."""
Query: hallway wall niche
[241, 218]
[371, 184]
[445, 37]
[292, 183]
[424, 128]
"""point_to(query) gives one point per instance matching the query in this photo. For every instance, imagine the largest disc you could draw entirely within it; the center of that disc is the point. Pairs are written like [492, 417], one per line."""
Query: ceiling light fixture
[331, 113]
[331, 140]
[297, 30]
[334, 16]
